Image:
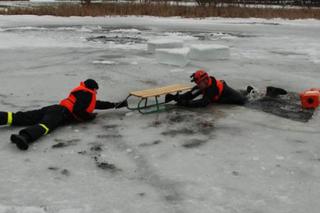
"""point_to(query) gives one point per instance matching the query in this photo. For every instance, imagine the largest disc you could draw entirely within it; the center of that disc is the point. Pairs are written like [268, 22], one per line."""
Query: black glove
[121, 104]
[170, 97]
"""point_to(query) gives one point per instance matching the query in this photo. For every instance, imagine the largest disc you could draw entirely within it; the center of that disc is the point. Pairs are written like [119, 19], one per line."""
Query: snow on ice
[221, 159]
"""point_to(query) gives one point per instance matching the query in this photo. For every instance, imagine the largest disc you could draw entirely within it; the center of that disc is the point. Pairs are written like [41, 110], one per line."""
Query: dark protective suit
[227, 96]
[45, 120]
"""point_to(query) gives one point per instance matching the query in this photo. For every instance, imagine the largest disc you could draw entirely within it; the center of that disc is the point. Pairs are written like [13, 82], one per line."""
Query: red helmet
[199, 76]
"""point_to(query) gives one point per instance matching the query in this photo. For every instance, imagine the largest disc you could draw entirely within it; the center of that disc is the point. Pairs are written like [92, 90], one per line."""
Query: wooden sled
[144, 105]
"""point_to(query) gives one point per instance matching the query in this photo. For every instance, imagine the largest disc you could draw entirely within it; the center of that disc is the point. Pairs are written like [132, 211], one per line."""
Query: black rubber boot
[249, 89]
[275, 92]
[3, 118]
[20, 141]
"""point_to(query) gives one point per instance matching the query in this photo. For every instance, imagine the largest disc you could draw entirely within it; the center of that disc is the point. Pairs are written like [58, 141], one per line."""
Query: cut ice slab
[176, 56]
[205, 52]
[163, 44]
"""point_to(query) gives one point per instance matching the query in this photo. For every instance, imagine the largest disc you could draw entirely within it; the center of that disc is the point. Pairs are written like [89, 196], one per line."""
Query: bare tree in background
[304, 3]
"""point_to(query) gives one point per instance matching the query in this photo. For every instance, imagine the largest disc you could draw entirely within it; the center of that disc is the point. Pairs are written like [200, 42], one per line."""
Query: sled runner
[145, 106]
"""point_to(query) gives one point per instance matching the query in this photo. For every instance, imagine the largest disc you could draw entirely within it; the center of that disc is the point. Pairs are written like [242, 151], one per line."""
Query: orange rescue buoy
[310, 99]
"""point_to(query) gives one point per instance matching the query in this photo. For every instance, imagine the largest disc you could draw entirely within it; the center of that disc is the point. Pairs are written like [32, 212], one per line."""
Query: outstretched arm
[203, 102]
[104, 105]
[110, 105]
[190, 95]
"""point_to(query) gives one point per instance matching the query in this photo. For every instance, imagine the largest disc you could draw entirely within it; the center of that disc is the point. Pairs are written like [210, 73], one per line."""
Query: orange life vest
[220, 86]
[71, 100]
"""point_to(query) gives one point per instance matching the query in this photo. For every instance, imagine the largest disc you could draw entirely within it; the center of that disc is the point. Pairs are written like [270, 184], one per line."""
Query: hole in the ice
[286, 106]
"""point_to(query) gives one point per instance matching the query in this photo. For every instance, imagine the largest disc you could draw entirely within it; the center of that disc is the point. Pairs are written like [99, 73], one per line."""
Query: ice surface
[176, 56]
[162, 44]
[104, 62]
[220, 159]
[206, 52]
[21, 209]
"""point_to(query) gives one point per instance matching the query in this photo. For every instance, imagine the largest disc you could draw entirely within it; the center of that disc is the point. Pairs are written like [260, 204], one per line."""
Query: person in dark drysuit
[211, 90]
[78, 107]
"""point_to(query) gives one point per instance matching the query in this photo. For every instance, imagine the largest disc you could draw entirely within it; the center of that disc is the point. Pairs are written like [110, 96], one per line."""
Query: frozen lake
[219, 159]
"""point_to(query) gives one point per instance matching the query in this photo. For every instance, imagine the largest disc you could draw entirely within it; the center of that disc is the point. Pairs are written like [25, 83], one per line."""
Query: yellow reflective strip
[45, 128]
[10, 118]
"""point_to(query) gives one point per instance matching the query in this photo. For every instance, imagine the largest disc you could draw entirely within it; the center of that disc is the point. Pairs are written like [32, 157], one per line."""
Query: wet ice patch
[106, 165]
[213, 36]
[110, 126]
[287, 53]
[149, 82]
[50, 28]
[117, 39]
[194, 143]
[182, 131]
[64, 172]
[129, 30]
[207, 36]
[61, 143]
[105, 62]
[21, 209]
[156, 142]
[96, 148]
[210, 36]
[246, 22]
[109, 136]
[192, 129]
[22, 29]
[286, 106]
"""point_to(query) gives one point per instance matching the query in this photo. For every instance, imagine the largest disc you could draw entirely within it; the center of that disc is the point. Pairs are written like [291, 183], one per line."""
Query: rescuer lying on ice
[212, 91]
[78, 107]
